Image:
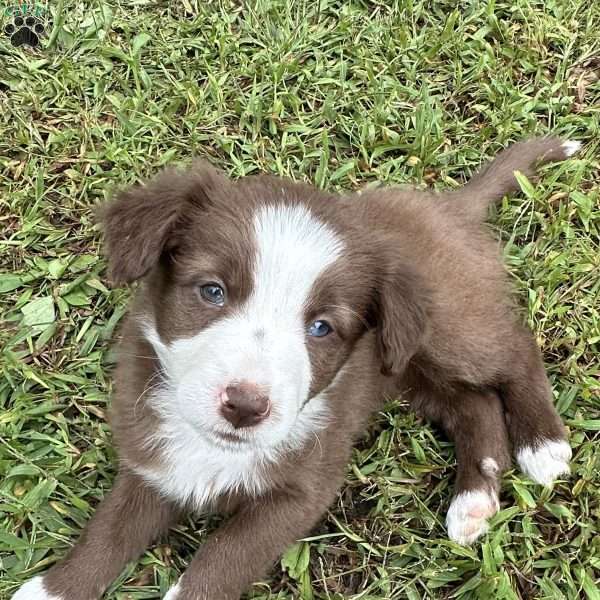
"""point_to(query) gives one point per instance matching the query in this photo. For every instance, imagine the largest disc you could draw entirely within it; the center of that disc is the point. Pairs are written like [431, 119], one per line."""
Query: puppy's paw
[545, 462]
[173, 592]
[34, 590]
[571, 147]
[468, 514]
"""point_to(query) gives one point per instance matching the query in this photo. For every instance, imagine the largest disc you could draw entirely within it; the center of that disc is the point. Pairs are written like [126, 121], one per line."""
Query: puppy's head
[254, 294]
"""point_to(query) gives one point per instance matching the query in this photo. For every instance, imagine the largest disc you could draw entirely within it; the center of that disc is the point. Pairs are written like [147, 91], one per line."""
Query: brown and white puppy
[271, 320]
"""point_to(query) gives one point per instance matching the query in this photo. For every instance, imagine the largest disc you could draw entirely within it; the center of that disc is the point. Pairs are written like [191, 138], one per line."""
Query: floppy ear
[402, 307]
[141, 221]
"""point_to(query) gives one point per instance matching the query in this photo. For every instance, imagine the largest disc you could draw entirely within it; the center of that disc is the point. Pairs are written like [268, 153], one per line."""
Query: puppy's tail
[497, 178]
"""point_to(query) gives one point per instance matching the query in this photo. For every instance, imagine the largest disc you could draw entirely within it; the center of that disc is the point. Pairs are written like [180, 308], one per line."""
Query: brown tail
[497, 178]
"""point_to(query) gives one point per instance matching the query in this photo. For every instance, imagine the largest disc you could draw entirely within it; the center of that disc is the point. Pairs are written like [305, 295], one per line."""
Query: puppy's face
[255, 296]
[252, 304]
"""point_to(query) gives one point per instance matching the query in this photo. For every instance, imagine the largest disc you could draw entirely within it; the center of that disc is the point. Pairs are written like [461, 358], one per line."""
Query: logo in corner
[25, 26]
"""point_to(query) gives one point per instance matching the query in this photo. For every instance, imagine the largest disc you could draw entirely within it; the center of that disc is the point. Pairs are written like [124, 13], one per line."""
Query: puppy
[270, 321]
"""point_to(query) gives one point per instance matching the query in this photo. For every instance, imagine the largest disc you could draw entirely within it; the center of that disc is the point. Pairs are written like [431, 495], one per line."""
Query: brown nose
[245, 404]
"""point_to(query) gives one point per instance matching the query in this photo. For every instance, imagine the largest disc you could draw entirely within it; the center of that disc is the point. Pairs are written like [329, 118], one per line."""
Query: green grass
[343, 94]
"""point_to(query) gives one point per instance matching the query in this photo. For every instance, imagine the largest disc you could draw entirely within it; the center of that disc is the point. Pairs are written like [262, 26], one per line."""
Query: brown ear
[139, 223]
[402, 308]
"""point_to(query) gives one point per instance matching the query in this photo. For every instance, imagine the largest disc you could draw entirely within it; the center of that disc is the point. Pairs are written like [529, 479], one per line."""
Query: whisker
[352, 312]
[129, 355]
[315, 433]
[149, 388]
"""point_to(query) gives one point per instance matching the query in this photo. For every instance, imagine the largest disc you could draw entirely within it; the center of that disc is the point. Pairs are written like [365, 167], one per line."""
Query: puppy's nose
[245, 404]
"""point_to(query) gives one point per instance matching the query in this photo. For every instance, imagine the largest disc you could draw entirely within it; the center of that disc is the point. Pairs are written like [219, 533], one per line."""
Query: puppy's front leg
[124, 524]
[475, 421]
[247, 546]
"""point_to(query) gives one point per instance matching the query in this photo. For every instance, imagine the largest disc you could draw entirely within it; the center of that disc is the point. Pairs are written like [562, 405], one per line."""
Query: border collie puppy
[271, 320]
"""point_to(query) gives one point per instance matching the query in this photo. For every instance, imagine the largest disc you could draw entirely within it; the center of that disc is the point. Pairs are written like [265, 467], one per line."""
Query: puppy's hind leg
[475, 421]
[538, 436]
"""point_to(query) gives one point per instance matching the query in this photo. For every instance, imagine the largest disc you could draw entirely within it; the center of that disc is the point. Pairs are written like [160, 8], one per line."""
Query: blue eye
[213, 293]
[319, 329]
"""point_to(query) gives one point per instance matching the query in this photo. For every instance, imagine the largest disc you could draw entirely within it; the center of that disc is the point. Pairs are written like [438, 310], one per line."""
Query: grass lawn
[343, 94]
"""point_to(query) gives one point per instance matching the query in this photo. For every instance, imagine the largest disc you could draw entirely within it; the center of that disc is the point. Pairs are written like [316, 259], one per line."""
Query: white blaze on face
[264, 341]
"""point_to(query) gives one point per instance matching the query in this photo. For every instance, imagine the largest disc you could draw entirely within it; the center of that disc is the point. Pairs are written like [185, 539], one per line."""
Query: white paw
[34, 590]
[545, 462]
[571, 147]
[173, 592]
[468, 514]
